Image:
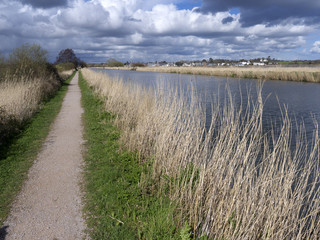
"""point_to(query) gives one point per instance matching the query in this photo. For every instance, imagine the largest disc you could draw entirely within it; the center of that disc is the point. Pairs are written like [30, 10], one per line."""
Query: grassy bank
[119, 205]
[298, 74]
[231, 181]
[18, 152]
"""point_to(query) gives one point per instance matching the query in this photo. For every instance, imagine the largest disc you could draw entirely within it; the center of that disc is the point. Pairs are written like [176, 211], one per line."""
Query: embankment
[118, 204]
[230, 181]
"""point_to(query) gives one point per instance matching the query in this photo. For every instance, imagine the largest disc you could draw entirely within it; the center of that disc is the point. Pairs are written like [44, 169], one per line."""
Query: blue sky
[189, 4]
[157, 30]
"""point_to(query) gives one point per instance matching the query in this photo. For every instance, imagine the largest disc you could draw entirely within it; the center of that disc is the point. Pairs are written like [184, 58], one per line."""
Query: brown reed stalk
[232, 181]
[20, 98]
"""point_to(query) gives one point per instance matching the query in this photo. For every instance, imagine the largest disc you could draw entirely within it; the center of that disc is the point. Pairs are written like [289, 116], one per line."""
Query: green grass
[117, 205]
[18, 153]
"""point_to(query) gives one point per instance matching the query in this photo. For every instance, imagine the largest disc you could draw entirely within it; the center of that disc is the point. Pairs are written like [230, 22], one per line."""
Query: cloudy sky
[156, 30]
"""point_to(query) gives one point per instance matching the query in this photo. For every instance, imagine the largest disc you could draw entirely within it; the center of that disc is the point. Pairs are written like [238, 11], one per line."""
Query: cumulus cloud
[151, 30]
[78, 17]
[168, 20]
[316, 47]
[271, 11]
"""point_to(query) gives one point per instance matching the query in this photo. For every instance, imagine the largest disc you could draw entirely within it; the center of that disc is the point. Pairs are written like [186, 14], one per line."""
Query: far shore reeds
[231, 181]
[297, 74]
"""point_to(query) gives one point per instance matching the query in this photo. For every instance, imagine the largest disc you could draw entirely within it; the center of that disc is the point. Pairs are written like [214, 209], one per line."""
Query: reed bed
[298, 74]
[231, 180]
[20, 98]
[66, 74]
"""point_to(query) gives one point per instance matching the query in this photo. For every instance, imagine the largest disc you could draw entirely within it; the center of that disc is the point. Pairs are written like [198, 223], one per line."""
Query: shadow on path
[3, 232]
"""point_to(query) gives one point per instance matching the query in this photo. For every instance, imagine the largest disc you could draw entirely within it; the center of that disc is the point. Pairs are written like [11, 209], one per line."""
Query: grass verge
[19, 152]
[117, 206]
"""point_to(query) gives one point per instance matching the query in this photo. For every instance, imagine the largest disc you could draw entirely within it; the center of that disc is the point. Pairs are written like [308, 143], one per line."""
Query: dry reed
[20, 98]
[65, 74]
[231, 181]
[299, 74]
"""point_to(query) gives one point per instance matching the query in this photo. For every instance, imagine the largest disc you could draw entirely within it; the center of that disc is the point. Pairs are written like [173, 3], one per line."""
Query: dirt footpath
[49, 205]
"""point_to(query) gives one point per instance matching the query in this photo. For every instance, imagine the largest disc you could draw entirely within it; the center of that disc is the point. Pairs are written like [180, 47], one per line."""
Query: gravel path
[49, 205]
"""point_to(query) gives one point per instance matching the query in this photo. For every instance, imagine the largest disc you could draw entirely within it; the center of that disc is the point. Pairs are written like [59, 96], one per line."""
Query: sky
[163, 30]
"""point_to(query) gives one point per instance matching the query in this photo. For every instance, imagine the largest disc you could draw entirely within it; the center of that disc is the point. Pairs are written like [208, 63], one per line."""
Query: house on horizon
[259, 63]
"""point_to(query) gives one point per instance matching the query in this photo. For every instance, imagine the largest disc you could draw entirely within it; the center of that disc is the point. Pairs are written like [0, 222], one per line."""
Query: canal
[300, 99]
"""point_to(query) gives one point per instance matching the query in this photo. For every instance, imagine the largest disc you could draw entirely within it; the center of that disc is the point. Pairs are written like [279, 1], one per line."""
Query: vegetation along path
[49, 205]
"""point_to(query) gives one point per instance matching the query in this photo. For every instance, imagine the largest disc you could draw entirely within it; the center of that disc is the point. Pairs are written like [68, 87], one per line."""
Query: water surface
[302, 100]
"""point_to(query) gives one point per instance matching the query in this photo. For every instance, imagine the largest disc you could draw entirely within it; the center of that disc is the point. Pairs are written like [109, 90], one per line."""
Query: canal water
[302, 100]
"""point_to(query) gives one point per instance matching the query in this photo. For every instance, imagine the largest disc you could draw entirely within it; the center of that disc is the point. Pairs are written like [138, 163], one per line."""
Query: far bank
[297, 74]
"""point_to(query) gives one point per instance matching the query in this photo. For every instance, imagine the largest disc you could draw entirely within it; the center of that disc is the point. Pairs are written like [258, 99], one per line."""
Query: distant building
[259, 63]
[196, 64]
[244, 63]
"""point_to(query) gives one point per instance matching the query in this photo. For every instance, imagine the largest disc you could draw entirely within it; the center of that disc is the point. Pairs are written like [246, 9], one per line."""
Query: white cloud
[316, 47]
[167, 19]
[78, 16]
[137, 38]
[146, 29]
[279, 30]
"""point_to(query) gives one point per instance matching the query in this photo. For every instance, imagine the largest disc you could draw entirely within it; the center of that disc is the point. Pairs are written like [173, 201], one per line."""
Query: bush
[114, 63]
[137, 65]
[65, 66]
[179, 64]
[28, 60]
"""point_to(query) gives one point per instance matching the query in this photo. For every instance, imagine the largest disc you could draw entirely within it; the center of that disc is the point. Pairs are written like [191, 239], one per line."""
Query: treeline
[112, 62]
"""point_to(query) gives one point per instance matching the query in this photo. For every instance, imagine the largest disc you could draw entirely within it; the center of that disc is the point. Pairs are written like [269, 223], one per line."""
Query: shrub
[27, 60]
[137, 65]
[65, 66]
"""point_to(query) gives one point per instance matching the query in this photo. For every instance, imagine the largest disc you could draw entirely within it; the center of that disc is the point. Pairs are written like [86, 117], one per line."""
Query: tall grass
[66, 74]
[231, 181]
[298, 74]
[20, 98]
[26, 79]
